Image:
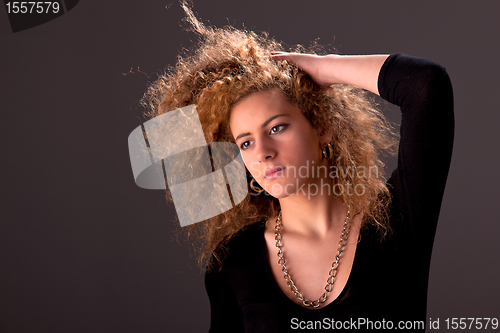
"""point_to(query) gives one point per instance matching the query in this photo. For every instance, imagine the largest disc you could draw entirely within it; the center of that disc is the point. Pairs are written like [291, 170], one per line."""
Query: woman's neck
[314, 217]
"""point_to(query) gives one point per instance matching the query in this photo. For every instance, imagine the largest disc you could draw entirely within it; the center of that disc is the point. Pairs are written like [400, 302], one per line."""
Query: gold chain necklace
[331, 274]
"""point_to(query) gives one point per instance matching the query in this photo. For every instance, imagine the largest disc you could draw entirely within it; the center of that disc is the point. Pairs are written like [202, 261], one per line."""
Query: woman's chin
[280, 191]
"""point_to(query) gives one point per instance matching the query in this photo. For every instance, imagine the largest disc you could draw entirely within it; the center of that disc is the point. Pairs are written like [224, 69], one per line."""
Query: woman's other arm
[226, 315]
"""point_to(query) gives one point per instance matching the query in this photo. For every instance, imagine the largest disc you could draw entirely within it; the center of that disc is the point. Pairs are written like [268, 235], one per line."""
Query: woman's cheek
[253, 167]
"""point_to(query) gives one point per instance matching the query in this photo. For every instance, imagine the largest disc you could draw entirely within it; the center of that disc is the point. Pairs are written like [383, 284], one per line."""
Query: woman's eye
[278, 128]
[274, 130]
[245, 145]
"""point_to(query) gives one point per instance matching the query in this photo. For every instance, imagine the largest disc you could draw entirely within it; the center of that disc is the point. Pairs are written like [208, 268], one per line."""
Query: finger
[283, 58]
[281, 55]
[278, 58]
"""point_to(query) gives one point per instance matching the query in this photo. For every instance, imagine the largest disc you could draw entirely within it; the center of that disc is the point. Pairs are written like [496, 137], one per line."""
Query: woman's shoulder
[247, 234]
[243, 245]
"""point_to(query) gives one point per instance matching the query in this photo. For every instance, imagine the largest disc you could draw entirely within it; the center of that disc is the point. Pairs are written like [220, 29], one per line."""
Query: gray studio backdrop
[83, 249]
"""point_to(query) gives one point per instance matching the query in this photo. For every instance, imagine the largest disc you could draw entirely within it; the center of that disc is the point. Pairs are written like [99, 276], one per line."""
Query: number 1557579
[32, 7]
[471, 323]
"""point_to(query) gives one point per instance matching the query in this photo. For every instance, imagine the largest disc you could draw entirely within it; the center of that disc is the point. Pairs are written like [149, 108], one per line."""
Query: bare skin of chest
[308, 262]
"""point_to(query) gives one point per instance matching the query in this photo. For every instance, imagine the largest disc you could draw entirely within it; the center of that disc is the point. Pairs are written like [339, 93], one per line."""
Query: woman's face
[279, 146]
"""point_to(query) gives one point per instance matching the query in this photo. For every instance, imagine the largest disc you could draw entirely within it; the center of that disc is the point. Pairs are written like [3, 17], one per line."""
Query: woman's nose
[265, 150]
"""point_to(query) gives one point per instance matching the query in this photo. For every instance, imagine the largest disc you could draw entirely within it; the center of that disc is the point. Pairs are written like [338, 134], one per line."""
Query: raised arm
[359, 70]
[422, 90]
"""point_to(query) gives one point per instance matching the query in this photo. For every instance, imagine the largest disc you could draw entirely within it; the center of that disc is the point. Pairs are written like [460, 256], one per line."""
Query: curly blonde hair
[229, 64]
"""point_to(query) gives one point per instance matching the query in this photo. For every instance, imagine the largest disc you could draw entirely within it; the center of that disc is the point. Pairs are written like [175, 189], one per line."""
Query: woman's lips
[274, 172]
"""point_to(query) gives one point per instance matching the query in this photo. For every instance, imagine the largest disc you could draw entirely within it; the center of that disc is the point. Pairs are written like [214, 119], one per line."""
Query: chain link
[331, 274]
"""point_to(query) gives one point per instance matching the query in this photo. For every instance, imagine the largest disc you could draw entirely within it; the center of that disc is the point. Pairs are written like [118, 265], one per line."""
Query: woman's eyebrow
[261, 126]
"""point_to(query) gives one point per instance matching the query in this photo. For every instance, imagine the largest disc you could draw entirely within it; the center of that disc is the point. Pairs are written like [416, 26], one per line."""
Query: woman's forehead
[255, 109]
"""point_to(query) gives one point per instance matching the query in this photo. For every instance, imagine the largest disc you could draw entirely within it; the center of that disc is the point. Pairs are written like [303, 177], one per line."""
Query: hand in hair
[360, 71]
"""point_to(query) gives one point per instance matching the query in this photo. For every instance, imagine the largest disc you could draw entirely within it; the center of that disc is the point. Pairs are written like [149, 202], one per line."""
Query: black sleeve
[423, 91]
[226, 314]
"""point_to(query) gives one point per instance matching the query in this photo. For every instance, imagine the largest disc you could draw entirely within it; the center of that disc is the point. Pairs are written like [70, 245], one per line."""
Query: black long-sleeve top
[388, 280]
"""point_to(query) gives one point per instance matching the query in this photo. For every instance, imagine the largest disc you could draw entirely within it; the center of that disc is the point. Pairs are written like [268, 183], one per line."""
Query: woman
[335, 246]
